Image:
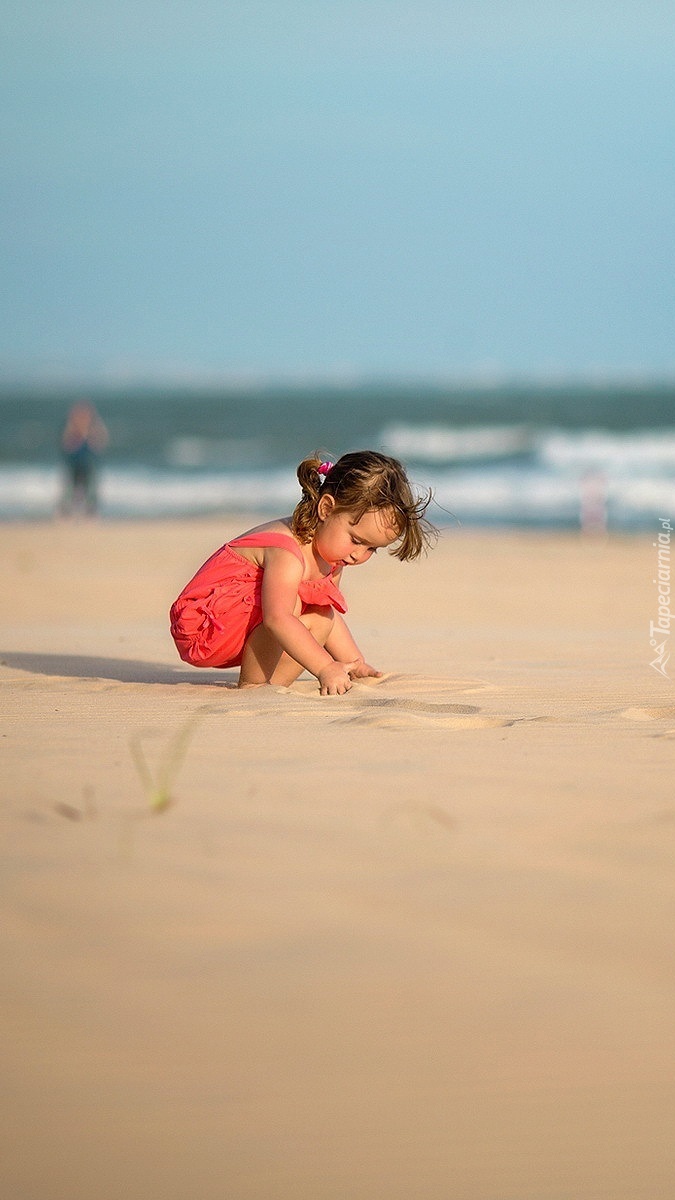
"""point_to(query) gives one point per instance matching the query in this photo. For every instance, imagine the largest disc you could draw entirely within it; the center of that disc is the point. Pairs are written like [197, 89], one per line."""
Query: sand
[414, 943]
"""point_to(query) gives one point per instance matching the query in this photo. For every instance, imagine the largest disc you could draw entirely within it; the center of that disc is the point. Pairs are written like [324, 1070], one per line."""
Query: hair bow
[325, 468]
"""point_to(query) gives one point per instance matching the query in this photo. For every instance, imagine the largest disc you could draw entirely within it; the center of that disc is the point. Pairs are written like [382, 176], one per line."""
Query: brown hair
[360, 482]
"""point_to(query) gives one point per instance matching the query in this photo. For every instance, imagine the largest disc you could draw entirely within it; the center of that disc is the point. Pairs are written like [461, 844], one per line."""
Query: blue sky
[337, 188]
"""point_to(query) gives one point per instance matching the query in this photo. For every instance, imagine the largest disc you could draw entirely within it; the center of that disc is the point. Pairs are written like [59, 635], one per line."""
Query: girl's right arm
[281, 577]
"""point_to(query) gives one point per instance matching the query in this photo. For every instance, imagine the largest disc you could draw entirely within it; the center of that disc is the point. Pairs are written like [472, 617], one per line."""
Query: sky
[197, 189]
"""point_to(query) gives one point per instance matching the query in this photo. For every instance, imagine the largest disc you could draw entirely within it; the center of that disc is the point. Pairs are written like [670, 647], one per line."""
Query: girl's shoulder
[276, 534]
[277, 525]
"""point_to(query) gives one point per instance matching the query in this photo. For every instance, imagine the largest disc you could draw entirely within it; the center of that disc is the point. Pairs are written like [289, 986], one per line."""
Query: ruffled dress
[219, 608]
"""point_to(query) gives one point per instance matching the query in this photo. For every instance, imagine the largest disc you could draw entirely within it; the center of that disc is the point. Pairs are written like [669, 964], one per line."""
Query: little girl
[269, 601]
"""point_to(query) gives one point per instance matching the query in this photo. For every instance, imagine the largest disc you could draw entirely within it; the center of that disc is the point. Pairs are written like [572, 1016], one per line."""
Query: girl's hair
[360, 482]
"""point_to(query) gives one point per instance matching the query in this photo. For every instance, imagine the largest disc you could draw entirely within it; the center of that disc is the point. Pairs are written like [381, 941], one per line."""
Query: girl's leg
[264, 661]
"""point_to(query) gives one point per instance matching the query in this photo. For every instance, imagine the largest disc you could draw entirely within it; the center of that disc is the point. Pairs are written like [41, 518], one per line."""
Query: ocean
[531, 455]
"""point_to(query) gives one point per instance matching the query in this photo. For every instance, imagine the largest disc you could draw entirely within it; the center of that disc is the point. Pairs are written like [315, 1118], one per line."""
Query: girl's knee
[319, 620]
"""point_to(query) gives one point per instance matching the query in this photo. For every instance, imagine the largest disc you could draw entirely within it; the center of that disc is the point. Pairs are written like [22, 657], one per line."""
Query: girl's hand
[363, 670]
[335, 678]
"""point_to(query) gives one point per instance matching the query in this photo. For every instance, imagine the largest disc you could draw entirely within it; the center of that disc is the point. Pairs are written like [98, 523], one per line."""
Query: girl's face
[343, 541]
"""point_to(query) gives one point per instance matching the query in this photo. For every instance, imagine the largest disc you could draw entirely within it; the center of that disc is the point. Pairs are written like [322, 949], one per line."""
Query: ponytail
[306, 515]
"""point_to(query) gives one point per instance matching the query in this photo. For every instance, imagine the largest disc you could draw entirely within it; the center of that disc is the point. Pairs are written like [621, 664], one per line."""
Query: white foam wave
[440, 443]
[211, 452]
[569, 450]
[29, 491]
[36, 491]
[615, 452]
[127, 493]
[498, 496]
[489, 493]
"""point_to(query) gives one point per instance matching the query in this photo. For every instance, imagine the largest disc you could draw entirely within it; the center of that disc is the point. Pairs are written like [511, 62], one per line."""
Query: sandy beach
[413, 943]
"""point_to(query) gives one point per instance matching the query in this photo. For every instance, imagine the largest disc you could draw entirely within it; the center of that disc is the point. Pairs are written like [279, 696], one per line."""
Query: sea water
[520, 455]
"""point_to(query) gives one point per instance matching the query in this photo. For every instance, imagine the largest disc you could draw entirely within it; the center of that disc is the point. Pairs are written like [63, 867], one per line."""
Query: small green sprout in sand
[158, 788]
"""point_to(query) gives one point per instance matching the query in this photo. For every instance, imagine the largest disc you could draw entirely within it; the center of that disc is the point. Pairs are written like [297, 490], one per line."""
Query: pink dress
[219, 608]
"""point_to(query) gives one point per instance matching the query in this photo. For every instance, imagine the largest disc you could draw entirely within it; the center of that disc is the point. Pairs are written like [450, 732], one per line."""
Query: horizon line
[104, 379]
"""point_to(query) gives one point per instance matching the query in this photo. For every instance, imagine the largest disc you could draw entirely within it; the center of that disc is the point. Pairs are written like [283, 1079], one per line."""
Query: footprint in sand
[418, 816]
[403, 713]
[647, 713]
[414, 705]
[403, 720]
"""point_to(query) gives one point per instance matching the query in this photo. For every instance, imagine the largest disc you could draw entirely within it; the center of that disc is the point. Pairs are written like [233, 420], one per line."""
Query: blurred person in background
[593, 502]
[83, 440]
